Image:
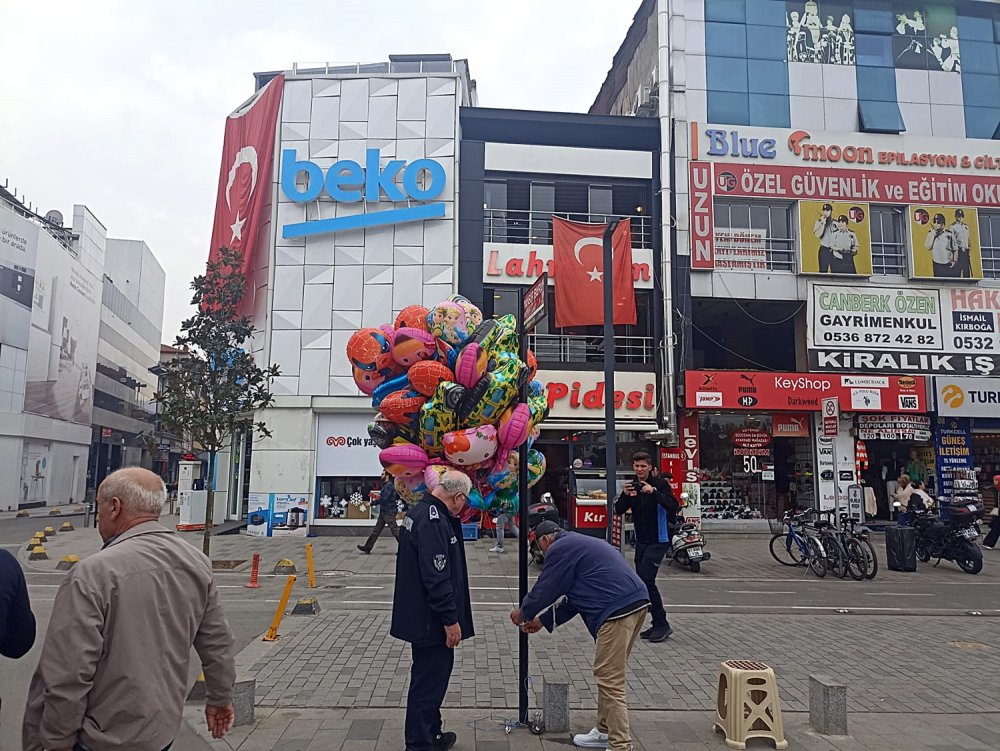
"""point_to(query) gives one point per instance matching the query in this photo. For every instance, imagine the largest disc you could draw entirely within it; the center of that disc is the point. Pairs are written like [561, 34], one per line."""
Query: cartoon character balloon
[446, 384]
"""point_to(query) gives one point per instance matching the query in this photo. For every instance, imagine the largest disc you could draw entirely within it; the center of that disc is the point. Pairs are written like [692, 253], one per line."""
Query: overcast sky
[121, 105]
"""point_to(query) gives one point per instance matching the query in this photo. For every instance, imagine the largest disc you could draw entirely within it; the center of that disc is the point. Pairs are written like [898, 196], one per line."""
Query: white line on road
[899, 594]
[364, 587]
[758, 592]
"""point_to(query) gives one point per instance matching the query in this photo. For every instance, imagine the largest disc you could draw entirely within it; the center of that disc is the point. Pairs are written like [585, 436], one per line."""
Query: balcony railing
[565, 348]
[521, 226]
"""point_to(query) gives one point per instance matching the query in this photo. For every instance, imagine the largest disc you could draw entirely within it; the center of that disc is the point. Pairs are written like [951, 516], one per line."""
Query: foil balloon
[490, 397]
[412, 316]
[411, 345]
[471, 447]
[432, 475]
[438, 416]
[396, 383]
[471, 364]
[426, 376]
[410, 489]
[404, 459]
[473, 314]
[403, 407]
[449, 323]
[382, 432]
[514, 425]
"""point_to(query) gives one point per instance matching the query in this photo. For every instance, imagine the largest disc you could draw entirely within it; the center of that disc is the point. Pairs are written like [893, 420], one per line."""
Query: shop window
[989, 239]
[773, 219]
[354, 498]
[888, 246]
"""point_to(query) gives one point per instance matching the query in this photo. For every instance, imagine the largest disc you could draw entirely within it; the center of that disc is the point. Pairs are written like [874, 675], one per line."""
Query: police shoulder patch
[440, 561]
[434, 513]
[408, 524]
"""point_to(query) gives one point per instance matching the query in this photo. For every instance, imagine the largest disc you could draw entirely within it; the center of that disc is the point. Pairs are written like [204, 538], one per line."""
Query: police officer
[431, 607]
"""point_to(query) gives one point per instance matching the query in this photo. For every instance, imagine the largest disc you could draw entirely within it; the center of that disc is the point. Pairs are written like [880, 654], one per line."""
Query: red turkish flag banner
[245, 174]
[578, 253]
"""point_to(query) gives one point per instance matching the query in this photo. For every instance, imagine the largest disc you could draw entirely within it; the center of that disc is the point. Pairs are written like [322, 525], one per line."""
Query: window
[773, 220]
[880, 117]
[874, 50]
[982, 122]
[888, 247]
[600, 200]
[543, 203]
[989, 239]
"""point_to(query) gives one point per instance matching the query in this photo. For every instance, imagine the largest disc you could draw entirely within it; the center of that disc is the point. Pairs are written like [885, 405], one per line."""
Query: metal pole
[523, 493]
[610, 447]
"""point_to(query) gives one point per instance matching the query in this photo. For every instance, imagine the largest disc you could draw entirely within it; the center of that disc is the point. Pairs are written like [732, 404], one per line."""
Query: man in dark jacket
[612, 600]
[388, 507]
[17, 622]
[431, 607]
[654, 511]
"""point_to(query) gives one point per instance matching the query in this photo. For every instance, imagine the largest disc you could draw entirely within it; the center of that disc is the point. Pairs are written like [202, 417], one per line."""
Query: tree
[212, 393]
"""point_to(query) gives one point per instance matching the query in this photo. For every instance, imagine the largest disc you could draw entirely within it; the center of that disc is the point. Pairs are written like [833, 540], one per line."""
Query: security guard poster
[944, 241]
[835, 238]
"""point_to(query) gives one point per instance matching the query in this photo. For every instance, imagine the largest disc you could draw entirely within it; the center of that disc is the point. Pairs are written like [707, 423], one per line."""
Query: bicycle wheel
[817, 558]
[786, 551]
[857, 559]
[872, 557]
[836, 556]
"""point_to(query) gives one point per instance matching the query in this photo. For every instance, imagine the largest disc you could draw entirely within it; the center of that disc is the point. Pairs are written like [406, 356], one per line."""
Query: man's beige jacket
[114, 669]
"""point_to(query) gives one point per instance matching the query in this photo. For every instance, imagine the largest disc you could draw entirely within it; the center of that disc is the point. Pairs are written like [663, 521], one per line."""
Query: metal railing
[522, 226]
[394, 66]
[566, 348]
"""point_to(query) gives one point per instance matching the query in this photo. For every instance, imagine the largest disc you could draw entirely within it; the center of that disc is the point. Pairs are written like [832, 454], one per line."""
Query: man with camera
[654, 511]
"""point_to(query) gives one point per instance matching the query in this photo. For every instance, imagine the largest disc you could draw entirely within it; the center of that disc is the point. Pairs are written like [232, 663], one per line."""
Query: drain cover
[338, 574]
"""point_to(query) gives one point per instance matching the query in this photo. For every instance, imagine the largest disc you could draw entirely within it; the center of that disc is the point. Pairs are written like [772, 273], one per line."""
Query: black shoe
[660, 634]
[364, 550]
[444, 741]
[645, 634]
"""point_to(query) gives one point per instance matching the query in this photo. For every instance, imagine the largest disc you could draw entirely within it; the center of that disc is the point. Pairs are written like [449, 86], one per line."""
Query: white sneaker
[497, 549]
[594, 739]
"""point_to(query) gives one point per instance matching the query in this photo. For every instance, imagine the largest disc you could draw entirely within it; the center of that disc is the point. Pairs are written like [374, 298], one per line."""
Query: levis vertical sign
[702, 224]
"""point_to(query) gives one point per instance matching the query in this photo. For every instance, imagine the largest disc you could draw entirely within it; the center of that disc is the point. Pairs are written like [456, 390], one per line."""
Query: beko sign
[348, 181]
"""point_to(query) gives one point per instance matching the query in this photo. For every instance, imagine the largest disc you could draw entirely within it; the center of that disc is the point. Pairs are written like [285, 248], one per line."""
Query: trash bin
[901, 548]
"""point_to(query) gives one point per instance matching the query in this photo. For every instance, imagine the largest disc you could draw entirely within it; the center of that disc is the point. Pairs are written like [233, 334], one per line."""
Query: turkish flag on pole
[245, 175]
[579, 273]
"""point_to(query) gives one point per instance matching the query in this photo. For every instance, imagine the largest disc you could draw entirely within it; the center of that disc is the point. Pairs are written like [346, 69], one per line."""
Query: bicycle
[846, 556]
[854, 529]
[790, 548]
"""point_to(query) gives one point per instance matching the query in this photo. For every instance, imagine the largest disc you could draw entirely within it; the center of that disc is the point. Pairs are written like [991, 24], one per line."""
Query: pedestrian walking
[388, 507]
[505, 521]
[17, 622]
[431, 607]
[597, 584]
[113, 673]
[654, 512]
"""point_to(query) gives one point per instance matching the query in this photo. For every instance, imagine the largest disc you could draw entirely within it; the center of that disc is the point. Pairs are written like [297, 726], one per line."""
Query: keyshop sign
[870, 328]
[801, 392]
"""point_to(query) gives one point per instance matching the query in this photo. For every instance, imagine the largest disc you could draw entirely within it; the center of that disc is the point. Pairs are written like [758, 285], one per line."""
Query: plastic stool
[748, 705]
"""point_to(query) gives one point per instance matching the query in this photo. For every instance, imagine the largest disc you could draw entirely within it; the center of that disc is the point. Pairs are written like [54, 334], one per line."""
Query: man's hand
[453, 635]
[646, 488]
[515, 617]
[220, 719]
[532, 626]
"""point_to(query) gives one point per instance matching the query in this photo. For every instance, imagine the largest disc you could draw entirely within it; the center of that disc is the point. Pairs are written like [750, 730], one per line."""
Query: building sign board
[580, 395]
[800, 392]
[520, 264]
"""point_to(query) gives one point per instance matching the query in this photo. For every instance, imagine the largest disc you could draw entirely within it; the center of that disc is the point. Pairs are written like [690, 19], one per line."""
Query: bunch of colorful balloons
[446, 384]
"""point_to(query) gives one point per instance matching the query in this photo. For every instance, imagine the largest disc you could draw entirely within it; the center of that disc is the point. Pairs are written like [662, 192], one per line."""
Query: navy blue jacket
[593, 576]
[652, 513]
[17, 622]
[432, 579]
[388, 500]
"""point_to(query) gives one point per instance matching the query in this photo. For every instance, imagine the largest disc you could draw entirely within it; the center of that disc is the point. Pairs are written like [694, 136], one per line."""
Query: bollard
[67, 527]
[243, 701]
[38, 539]
[284, 566]
[272, 632]
[254, 570]
[67, 562]
[56, 511]
[306, 606]
[23, 514]
[38, 554]
[827, 705]
[555, 703]
[309, 565]
[50, 531]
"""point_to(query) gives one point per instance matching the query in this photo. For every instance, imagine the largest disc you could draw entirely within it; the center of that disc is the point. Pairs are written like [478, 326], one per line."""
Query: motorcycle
[544, 510]
[951, 539]
[689, 545]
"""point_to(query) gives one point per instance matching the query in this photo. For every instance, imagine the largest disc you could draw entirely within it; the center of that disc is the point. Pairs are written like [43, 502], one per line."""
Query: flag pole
[610, 447]
[522, 537]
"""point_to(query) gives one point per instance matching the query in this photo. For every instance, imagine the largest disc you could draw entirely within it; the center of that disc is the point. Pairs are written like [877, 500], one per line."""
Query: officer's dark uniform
[432, 591]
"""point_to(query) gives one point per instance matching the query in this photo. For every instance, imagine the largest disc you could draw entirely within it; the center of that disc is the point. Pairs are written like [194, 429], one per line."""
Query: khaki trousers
[614, 645]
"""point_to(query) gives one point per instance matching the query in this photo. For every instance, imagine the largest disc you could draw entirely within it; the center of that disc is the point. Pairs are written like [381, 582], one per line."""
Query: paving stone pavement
[889, 663]
[374, 730]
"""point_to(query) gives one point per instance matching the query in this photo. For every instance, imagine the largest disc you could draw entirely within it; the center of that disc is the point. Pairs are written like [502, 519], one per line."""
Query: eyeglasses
[464, 496]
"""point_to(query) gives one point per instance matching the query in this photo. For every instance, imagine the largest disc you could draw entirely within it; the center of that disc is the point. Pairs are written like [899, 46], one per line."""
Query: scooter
[689, 545]
[544, 510]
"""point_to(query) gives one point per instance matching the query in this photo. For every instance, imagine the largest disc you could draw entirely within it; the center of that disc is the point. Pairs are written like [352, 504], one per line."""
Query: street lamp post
[610, 447]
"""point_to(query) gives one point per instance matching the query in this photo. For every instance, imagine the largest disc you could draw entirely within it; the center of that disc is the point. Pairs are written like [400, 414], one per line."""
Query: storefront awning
[632, 427]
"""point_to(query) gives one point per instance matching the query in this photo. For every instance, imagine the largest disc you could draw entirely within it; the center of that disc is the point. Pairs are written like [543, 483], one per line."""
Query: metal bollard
[309, 565]
[272, 632]
[254, 570]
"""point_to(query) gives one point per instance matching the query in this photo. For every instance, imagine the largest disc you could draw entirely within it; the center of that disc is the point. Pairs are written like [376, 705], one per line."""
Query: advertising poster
[18, 253]
[819, 32]
[925, 37]
[62, 353]
[835, 238]
[289, 514]
[944, 241]
[740, 249]
[34, 473]
[870, 329]
[259, 514]
[952, 449]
